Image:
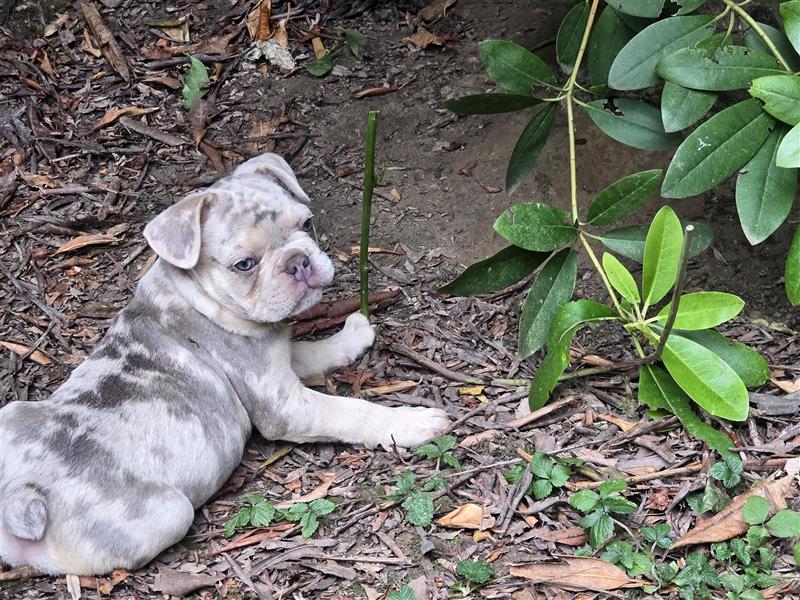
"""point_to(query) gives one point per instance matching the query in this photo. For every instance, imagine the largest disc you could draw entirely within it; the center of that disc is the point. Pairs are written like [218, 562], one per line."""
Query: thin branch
[366, 208]
[676, 291]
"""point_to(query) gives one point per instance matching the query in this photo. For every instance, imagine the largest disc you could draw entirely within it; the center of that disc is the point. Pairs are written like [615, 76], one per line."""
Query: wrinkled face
[256, 254]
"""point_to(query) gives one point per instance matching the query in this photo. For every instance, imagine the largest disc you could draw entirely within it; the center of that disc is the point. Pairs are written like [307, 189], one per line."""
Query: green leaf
[405, 485]
[601, 530]
[765, 192]
[451, 460]
[657, 389]
[355, 41]
[620, 278]
[788, 155]
[790, 12]
[551, 289]
[658, 534]
[703, 310]
[748, 364]
[780, 95]
[559, 475]
[296, 511]
[514, 474]
[779, 40]
[541, 465]
[541, 489]
[584, 500]
[194, 86]
[631, 122]
[487, 104]
[682, 108]
[445, 442]
[609, 35]
[706, 378]
[756, 510]
[535, 227]
[405, 593]
[619, 506]
[716, 149]
[729, 472]
[528, 147]
[308, 524]
[612, 487]
[791, 274]
[785, 524]
[262, 514]
[419, 508]
[687, 6]
[729, 68]
[430, 451]
[662, 251]
[321, 66]
[623, 197]
[635, 66]
[796, 554]
[477, 571]
[514, 67]
[507, 267]
[321, 507]
[648, 9]
[569, 36]
[434, 484]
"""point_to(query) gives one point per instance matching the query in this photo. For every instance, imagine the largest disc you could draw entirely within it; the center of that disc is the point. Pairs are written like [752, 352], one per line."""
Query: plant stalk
[599, 268]
[745, 16]
[676, 291]
[366, 209]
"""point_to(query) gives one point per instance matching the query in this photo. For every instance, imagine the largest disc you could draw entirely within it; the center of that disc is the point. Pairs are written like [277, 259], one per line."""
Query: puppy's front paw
[357, 336]
[410, 427]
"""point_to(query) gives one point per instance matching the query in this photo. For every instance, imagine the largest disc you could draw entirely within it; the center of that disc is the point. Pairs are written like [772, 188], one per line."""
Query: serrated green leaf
[613, 486]
[450, 460]
[528, 147]
[194, 86]
[790, 13]
[716, 149]
[262, 514]
[541, 465]
[791, 274]
[629, 241]
[541, 489]
[321, 66]
[355, 41]
[688, 6]
[796, 554]
[780, 95]
[635, 66]
[788, 154]
[779, 40]
[308, 524]
[619, 506]
[631, 122]
[430, 451]
[570, 33]
[657, 389]
[507, 267]
[513, 67]
[623, 197]
[584, 500]
[405, 593]
[647, 9]
[682, 107]
[784, 524]
[535, 227]
[433, 484]
[551, 289]
[729, 68]
[476, 571]
[755, 510]
[296, 511]
[765, 192]
[601, 530]
[445, 442]
[620, 278]
[560, 475]
[662, 251]
[487, 104]
[703, 310]
[419, 508]
[706, 378]
[321, 507]
[729, 472]
[405, 483]
[609, 35]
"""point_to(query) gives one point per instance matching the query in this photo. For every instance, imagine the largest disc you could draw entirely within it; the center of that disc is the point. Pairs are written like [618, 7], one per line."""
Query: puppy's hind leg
[311, 358]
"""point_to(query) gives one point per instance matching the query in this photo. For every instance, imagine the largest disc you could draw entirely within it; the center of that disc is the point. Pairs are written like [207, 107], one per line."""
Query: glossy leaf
[513, 67]
[635, 66]
[551, 290]
[788, 155]
[790, 12]
[620, 278]
[609, 35]
[623, 197]
[706, 378]
[632, 122]
[688, 6]
[497, 272]
[321, 66]
[730, 68]
[780, 95]
[575, 313]
[536, 227]
[487, 104]
[778, 39]
[657, 389]
[703, 310]
[629, 241]
[792, 271]
[648, 9]
[569, 36]
[195, 83]
[528, 147]
[765, 192]
[682, 107]
[662, 250]
[716, 149]
[748, 364]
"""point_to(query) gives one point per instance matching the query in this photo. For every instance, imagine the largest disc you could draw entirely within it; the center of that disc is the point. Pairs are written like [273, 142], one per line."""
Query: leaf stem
[745, 16]
[598, 267]
[366, 208]
[676, 291]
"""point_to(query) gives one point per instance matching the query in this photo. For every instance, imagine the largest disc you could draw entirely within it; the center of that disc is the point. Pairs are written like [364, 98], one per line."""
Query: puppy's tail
[24, 513]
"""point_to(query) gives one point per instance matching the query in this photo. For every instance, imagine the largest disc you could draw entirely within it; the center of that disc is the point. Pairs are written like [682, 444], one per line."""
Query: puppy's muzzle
[299, 267]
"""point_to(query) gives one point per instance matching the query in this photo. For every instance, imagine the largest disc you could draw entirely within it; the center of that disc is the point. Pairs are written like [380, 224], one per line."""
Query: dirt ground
[67, 174]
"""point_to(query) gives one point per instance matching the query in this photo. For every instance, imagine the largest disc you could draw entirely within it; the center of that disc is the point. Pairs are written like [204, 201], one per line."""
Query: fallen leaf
[467, 516]
[174, 29]
[619, 422]
[53, 27]
[170, 82]
[787, 386]
[419, 586]
[105, 40]
[571, 536]
[89, 239]
[260, 129]
[471, 390]
[36, 356]
[112, 114]
[424, 38]
[73, 586]
[356, 250]
[477, 438]
[199, 116]
[117, 577]
[319, 48]
[87, 45]
[318, 492]
[178, 583]
[729, 522]
[39, 181]
[280, 35]
[375, 91]
[479, 536]
[577, 573]
[436, 10]
[214, 155]
[258, 21]
[395, 194]
[390, 388]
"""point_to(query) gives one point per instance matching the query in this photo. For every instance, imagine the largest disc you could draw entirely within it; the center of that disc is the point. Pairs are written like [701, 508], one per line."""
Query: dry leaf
[390, 388]
[164, 80]
[787, 386]
[89, 239]
[178, 583]
[424, 38]
[318, 492]
[571, 536]
[467, 516]
[56, 25]
[576, 573]
[117, 577]
[375, 91]
[477, 438]
[87, 45]
[174, 29]
[619, 422]
[356, 250]
[105, 40]
[35, 180]
[280, 35]
[214, 155]
[199, 115]
[319, 48]
[36, 356]
[112, 114]
[471, 390]
[260, 129]
[436, 10]
[728, 523]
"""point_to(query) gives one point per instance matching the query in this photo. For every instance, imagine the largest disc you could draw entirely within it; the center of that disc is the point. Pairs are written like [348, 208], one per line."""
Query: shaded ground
[441, 189]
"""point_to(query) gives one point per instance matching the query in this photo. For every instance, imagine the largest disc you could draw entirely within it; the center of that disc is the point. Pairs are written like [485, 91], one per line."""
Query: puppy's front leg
[311, 358]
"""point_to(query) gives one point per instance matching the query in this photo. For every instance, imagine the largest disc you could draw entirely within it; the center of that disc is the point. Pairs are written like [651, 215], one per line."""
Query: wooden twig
[366, 209]
[686, 470]
[676, 291]
[434, 366]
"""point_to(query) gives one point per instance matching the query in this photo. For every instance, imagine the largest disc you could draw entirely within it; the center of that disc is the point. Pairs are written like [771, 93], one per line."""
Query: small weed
[441, 450]
[598, 509]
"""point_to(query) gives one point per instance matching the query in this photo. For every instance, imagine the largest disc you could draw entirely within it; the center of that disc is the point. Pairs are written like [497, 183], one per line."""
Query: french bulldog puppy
[108, 471]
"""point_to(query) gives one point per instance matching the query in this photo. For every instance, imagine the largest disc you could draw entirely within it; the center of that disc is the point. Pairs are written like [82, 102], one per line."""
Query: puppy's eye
[246, 264]
[308, 225]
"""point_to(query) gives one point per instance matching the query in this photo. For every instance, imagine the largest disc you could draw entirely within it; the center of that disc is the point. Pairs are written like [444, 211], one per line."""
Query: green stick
[366, 208]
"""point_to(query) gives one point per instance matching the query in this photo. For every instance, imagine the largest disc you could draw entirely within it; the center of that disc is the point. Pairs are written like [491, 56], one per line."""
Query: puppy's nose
[299, 267]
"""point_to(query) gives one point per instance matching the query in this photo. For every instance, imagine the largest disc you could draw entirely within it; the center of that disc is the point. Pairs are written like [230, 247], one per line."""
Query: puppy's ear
[272, 165]
[175, 234]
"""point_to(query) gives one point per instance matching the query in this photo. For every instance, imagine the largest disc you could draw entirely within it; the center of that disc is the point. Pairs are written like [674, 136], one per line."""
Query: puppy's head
[247, 241]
